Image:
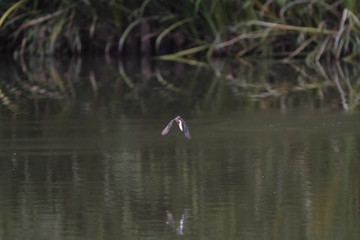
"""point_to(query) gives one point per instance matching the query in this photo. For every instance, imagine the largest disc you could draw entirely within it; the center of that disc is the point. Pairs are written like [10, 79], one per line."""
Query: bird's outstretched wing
[167, 128]
[186, 131]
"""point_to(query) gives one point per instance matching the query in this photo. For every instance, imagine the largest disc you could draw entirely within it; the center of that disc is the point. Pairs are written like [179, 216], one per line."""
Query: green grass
[275, 29]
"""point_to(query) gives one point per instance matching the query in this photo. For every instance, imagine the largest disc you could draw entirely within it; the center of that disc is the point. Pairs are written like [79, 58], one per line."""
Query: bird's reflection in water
[177, 225]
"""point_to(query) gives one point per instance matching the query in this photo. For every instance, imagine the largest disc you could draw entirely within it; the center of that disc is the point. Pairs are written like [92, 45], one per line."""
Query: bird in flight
[182, 125]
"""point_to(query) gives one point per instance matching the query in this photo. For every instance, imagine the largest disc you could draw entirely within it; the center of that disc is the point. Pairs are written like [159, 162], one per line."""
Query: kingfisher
[182, 125]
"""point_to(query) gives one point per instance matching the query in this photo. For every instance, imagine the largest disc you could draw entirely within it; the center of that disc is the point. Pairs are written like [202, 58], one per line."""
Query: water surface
[273, 155]
[247, 175]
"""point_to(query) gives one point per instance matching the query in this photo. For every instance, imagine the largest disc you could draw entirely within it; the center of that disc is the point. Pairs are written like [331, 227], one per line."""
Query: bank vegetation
[189, 30]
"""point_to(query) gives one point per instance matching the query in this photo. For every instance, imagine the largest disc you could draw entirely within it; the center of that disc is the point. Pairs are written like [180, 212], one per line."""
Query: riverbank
[192, 30]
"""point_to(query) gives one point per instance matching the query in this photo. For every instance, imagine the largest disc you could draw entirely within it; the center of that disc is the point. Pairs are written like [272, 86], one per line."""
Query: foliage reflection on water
[152, 87]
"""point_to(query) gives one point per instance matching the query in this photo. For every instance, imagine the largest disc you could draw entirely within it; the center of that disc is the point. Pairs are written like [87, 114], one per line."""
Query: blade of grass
[143, 6]
[341, 29]
[126, 33]
[300, 48]
[354, 18]
[192, 62]
[185, 52]
[290, 27]
[40, 19]
[7, 12]
[169, 29]
[322, 48]
[56, 31]
[258, 34]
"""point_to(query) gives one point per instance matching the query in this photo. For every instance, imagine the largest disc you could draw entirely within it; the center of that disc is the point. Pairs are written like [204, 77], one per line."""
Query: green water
[93, 164]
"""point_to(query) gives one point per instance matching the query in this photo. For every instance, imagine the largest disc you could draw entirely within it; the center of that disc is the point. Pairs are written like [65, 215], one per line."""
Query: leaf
[12, 8]
[126, 33]
[169, 29]
[56, 31]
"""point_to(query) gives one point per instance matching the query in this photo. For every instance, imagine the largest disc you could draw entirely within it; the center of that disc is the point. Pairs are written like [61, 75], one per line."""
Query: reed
[273, 29]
